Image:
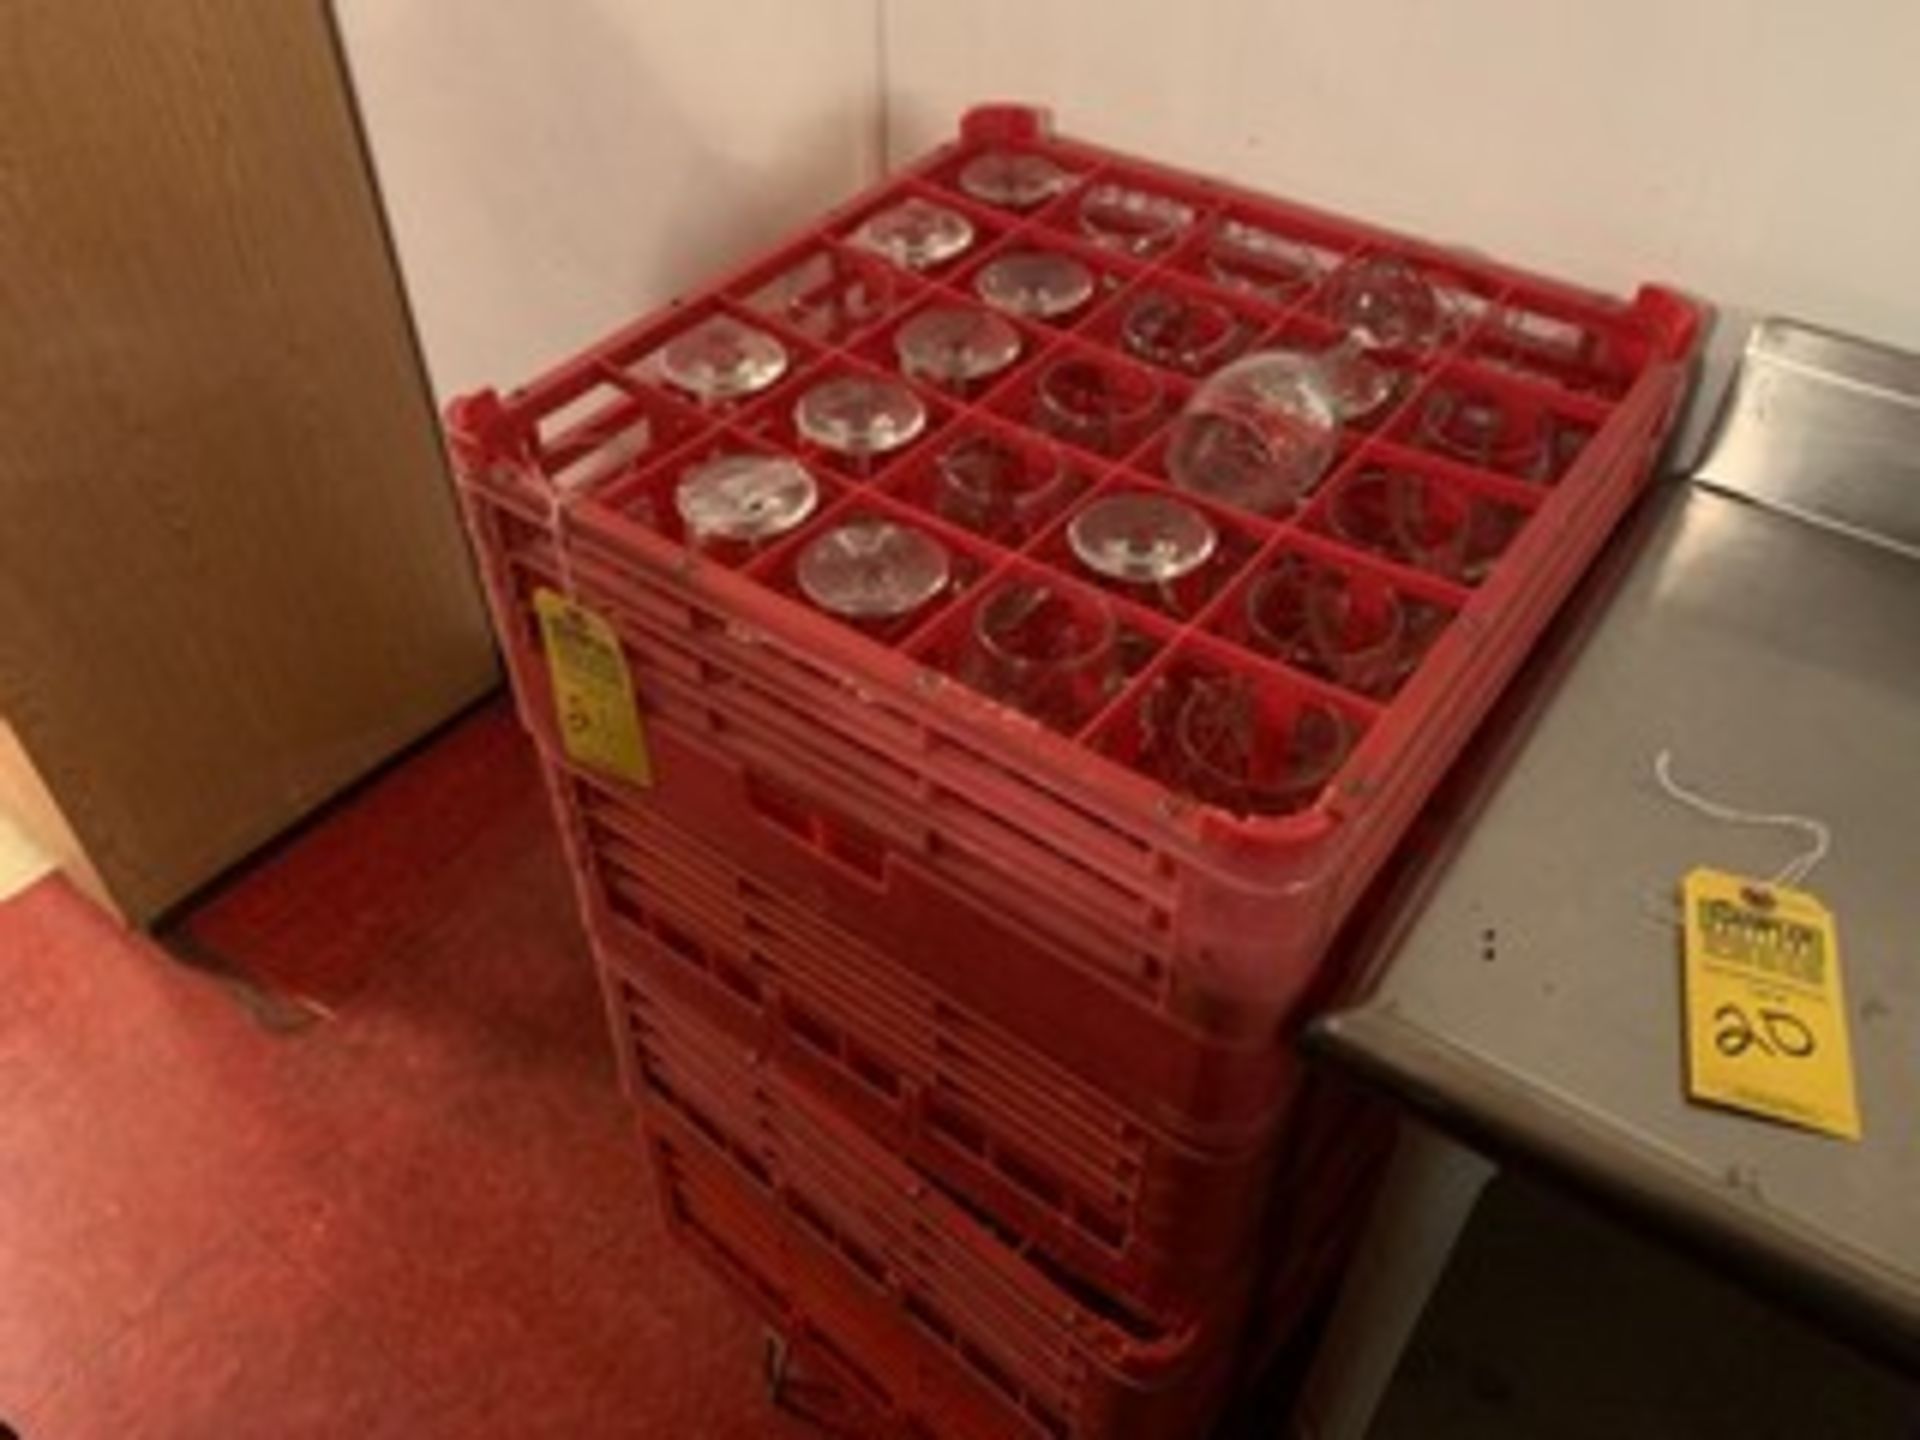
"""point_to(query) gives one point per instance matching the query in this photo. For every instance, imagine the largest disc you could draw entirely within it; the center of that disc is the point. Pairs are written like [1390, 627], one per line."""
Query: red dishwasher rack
[1136, 1207]
[974, 1315]
[960, 1036]
[881, 750]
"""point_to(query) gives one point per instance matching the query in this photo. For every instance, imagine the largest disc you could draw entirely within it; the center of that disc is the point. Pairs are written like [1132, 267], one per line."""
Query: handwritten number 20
[1779, 1032]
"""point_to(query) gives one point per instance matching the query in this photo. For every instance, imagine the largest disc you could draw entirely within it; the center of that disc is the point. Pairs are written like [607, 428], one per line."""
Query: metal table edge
[1552, 1136]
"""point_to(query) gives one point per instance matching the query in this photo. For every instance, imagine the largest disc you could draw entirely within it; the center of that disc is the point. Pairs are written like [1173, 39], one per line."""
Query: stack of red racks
[1004, 785]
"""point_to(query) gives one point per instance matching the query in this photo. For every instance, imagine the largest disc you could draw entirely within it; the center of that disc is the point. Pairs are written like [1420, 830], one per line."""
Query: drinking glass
[1479, 427]
[997, 489]
[1037, 283]
[720, 360]
[1316, 618]
[1384, 306]
[733, 506]
[1564, 441]
[1108, 411]
[955, 347]
[1134, 222]
[1152, 545]
[873, 572]
[827, 296]
[1245, 257]
[1013, 179]
[860, 416]
[1412, 520]
[1180, 333]
[1561, 352]
[916, 234]
[1257, 434]
[1045, 652]
[1224, 751]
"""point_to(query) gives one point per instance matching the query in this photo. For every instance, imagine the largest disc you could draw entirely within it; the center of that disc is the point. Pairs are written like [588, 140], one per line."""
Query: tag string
[1791, 875]
[559, 523]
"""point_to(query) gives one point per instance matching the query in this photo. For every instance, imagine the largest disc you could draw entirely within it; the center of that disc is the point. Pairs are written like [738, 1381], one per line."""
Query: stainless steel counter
[1531, 999]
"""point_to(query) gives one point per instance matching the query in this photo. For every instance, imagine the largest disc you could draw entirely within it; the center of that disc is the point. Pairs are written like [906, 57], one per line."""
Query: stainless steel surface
[1824, 426]
[1535, 998]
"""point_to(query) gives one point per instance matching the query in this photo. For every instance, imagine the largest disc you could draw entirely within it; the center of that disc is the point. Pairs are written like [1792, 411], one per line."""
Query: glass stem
[1357, 384]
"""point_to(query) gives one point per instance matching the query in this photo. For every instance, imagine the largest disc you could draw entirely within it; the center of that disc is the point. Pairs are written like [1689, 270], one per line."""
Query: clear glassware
[720, 359]
[873, 572]
[860, 416]
[1141, 538]
[1409, 519]
[997, 489]
[1040, 284]
[1480, 427]
[1178, 332]
[955, 347]
[1218, 746]
[827, 296]
[1013, 179]
[916, 234]
[1273, 267]
[1434, 529]
[1108, 411]
[735, 505]
[1384, 306]
[1566, 439]
[1528, 343]
[1321, 620]
[1234, 757]
[1154, 549]
[1258, 434]
[1040, 650]
[1134, 222]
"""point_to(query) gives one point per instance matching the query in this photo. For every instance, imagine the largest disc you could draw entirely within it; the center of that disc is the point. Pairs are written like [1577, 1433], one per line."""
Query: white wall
[1762, 153]
[551, 170]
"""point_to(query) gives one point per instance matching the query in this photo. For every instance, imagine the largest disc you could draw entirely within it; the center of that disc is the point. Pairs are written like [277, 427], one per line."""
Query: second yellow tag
[592, 691]
[1766, 1014]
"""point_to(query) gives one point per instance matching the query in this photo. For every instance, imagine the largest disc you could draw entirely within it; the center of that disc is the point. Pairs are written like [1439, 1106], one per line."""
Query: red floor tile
[117, 1173]
[243, 1345]
[80, 995]
[480, 1221]
[335, 904]
[425, 1213]
[695, 1372]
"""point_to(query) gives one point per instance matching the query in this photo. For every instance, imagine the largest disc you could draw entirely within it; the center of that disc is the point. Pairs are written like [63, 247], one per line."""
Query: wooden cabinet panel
[231, 578]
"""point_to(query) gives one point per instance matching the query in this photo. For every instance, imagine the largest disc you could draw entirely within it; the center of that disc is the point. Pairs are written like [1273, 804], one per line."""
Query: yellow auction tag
[1766, 1015]
[592, 692]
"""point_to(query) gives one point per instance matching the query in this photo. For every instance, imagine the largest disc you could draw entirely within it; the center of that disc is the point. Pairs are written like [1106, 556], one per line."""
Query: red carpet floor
[410, 1206]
